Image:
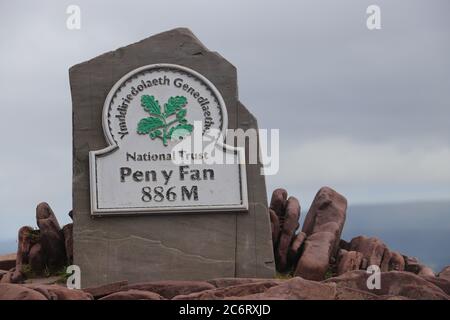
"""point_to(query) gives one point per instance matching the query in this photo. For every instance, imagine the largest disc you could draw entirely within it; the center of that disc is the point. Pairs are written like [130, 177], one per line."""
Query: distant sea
[420, 230]
[8, 246]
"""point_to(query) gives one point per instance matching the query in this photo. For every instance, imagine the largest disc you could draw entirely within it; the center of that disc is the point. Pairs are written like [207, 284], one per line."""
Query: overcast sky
[365, 112]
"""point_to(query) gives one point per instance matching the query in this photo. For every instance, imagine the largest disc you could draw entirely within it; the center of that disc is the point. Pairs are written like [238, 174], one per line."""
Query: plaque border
[113, 146]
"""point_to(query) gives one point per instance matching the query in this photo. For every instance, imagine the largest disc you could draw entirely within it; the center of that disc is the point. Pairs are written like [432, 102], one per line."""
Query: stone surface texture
[395, 285]
[323, 227]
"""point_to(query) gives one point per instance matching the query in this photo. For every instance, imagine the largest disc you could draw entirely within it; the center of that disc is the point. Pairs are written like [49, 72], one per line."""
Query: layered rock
[36, 258]
[230, 282]
[348, 261]
[43, 249]
[51, 237]
[372, 250]
[396, 262]
[315, 253]
[133, 294]
[352, 285]
[318, 252]
[296, 248]
[278, 201]
[284, 215]
[241, 290]
[394, 283]
[107, 289]
[15, 292]
[10, 291]
[58, 292]
[25, 242]
[289, 224]
[442, 283]
[169, 288]
[445, 273]
[323, 226]
[12, 276]
[295, 289]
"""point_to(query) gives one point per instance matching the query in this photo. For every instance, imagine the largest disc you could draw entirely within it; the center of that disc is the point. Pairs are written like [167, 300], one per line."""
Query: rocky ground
[312, 263]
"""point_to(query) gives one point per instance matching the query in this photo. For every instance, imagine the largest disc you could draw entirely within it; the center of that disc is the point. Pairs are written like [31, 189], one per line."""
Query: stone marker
[140, 211]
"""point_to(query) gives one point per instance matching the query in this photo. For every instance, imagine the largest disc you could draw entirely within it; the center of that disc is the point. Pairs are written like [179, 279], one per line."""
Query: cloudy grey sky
[366, 112]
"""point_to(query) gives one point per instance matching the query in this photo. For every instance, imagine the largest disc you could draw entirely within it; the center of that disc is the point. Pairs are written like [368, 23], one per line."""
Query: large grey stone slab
[169, 246]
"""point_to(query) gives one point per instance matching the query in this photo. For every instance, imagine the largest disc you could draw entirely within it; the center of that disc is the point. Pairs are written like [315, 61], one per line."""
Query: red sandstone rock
[15, 276]
[426, 271]
[232, 291]
[397, 262]
[230, 282]
[171, 288]
[344, 293]
[372, 249]
[388, 297]
[327, 213]
[314, 262]
[364, 264]
[323, 226]
[294, 289]
[348, 261]
[445, 273]
[25, 242]
[384, 265]
[344, 245]
[57, 292]
[107, 289]
[36, 259]
[7, 277]
[393, 283]
[296, 247]
[412, 264]
[18, 292]
[51, 237]
[278, 201]
[439, 282]
[133, 294]
[288, 227]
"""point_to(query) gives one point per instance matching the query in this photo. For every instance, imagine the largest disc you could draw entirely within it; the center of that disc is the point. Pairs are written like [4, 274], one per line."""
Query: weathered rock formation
[51, 239]
[396, 285]
[348, 261]
[445, 273]
[323, 227]
[285, 214]
[43, 250]
[316, 263]
[318, 252]
[133, 294]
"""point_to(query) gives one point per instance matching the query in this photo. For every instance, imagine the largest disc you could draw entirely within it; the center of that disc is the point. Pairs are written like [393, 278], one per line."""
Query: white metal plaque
[163, 156]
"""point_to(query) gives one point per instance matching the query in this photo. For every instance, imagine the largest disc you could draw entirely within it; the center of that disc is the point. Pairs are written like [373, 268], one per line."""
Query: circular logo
[157, 105]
